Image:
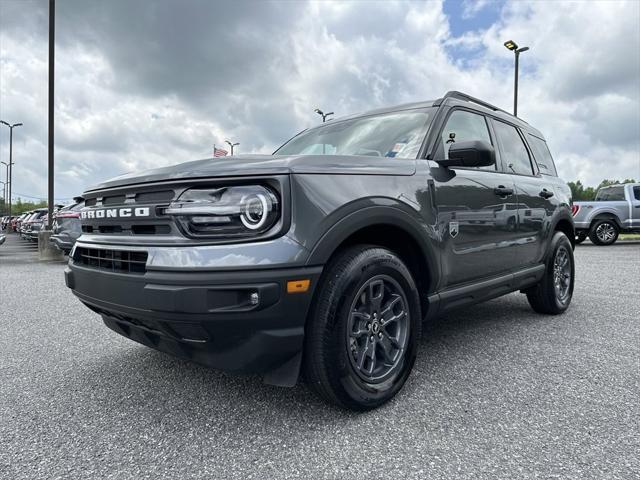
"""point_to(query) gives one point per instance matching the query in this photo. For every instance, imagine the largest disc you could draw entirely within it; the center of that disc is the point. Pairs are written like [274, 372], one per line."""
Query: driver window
[463, 126]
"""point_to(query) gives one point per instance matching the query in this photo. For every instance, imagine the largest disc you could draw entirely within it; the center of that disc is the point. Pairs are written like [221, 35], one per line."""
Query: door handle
[546, 193]
[503, 191]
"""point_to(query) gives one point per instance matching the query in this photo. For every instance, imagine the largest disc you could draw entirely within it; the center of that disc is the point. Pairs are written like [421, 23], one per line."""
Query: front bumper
[62, 241]
[211, 317]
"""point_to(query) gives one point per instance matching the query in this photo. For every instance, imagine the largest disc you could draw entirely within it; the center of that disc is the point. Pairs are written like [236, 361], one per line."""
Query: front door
[476, 208]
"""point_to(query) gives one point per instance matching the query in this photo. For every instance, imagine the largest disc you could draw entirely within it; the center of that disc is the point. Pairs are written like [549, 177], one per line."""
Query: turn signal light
[298, 286]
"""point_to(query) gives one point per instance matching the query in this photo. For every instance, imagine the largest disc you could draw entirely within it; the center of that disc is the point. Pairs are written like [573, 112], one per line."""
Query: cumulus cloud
[143, 84]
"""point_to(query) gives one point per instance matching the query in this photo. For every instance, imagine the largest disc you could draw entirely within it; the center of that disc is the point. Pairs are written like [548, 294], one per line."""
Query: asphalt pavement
[497, 392]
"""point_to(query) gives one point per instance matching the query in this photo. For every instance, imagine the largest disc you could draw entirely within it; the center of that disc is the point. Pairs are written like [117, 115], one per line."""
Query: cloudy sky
[143, 83]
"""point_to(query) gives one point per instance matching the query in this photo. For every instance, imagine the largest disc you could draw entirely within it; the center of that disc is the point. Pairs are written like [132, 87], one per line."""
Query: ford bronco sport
[325, 257]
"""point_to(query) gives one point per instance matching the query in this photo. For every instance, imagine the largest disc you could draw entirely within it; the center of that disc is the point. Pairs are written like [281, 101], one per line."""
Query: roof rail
[463, 96]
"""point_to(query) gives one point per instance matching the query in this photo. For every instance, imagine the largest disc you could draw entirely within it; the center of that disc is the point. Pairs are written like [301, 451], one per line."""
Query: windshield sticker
[395, 150]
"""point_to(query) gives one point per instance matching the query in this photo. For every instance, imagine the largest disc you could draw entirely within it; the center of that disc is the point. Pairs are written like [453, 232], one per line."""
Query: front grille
[122, 261]
[151, 198]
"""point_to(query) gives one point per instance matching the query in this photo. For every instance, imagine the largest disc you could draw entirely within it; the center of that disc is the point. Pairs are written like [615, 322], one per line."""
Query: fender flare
[604, 213]
[397, 215]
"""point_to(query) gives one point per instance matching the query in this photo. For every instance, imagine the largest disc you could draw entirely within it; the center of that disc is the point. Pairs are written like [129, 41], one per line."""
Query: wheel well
[402, 244]
[566, 227]
[608, 216]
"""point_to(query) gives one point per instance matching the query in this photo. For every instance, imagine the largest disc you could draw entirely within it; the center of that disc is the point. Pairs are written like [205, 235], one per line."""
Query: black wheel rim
[562, 274]
[378, 329]
[605, 232]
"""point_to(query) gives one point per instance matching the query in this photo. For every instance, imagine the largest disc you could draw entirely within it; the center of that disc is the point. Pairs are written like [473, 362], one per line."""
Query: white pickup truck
[615, 209]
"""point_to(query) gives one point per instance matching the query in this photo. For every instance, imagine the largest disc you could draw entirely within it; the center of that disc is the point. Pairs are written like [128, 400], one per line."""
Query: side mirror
[469, 154]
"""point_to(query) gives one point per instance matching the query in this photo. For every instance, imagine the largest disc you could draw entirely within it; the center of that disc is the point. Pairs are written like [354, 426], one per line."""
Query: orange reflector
[298, 286]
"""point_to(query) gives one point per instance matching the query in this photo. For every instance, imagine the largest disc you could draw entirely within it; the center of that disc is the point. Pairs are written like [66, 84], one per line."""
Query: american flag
[219, 152]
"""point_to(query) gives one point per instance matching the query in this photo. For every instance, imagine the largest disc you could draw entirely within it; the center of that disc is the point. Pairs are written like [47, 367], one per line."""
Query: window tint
[610, 193]
[542, 155]
[636, 192]
[515, 155]
[464, 126]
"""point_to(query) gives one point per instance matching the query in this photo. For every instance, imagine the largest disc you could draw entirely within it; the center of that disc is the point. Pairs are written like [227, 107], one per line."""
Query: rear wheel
[362, 336]
[554, 292]
[604, 232]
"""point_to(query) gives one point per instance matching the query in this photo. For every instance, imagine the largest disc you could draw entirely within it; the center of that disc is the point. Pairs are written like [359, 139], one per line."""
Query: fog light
[254, 298]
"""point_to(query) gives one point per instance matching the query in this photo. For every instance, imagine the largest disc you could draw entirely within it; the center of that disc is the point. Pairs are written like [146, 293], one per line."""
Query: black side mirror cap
[469, 154]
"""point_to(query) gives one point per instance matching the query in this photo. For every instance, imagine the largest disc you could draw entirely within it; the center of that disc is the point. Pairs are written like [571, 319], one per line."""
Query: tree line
[18, 207]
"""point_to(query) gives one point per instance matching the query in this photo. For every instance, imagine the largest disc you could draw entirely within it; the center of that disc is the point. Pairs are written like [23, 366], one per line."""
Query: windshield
[396, 134]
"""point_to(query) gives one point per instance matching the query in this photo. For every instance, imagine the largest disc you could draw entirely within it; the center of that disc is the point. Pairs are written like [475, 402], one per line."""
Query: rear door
[475, 207]
[535, 194]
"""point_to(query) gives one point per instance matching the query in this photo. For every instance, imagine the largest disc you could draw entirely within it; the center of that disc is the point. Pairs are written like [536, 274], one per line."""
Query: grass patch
[630, 236]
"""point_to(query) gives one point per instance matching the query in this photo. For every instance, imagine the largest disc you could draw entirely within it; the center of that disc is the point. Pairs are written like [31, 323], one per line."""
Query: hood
[251, 165]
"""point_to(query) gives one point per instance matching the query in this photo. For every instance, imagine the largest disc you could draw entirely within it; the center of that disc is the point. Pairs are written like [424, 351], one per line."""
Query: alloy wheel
[562, 274]
[378, 329]
[605, 232]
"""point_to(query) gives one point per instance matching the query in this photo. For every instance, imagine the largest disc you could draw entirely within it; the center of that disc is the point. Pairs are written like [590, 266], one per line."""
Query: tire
[604, 232]
[354, 295]
[547, 296]
[581, 237]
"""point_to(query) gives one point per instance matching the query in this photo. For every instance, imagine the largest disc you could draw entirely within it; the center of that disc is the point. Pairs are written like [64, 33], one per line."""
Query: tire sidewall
[594, 236]
[370, 263]
[560, 239]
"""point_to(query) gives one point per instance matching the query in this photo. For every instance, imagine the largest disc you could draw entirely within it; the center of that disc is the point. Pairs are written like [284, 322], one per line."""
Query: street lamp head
[16, 125]
[5, 123]
[523, 49]
[318, 111]
[511, 45]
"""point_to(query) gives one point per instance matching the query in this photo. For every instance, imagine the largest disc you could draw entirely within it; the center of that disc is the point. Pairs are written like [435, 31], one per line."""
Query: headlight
[240, 211]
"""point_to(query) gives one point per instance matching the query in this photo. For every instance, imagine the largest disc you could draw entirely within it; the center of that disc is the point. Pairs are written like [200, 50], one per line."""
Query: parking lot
[497, 391]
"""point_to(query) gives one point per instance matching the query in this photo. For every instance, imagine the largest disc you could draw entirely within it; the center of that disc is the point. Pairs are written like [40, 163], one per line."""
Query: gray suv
[325, 257]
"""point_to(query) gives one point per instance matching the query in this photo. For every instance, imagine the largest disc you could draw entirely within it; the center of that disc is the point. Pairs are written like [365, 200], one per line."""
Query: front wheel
[554, 292]
[604, 232]
[362, 336]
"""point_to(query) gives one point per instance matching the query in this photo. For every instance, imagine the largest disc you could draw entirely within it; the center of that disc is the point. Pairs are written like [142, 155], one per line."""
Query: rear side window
[636, 192]
[542, 155]
[514, 153]
[610, 193]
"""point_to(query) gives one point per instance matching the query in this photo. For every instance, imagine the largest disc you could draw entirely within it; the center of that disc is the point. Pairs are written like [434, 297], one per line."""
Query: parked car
[66, 226]
[13, 223]
[22, 220]
[327, 256]
[33, 224]
[615, 210]
[3, 237]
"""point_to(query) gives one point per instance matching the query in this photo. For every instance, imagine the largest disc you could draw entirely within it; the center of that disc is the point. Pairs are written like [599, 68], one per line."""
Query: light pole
[322, 114]
[513, 46]
[231, 145]
[4, 195]
[5, 191]
[11, 127]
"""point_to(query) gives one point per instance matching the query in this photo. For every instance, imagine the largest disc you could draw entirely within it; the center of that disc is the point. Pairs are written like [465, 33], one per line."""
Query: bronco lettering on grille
[116, 213]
